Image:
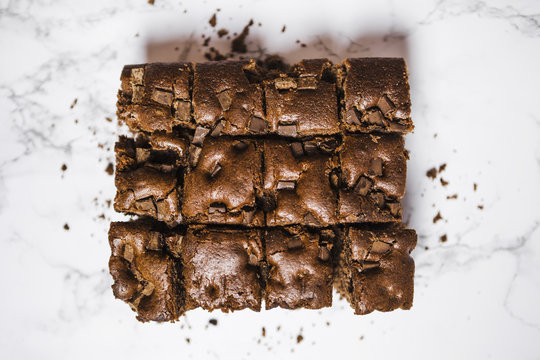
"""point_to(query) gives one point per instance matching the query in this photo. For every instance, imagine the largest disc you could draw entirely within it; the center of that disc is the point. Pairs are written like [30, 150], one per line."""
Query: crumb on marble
[454, 196]
[443, 238]
[213, 20]
[263, 332]
[444, 182]
[437, 217]
[481, 207]
[284, 28]
[475, 186]
[213, 322]
[66, 226]
[64, 167]
[432, 173]
[299, 338]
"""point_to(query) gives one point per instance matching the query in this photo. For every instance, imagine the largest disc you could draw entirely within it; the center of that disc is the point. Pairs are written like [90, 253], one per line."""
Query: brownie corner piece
[373, 176]
[228, 96]
[222, 268]
[234, 168]
[376, 271]
[298, 181]
[144, 275]
[299, 269]
[376, 95]
[303, 101]
[155, 96]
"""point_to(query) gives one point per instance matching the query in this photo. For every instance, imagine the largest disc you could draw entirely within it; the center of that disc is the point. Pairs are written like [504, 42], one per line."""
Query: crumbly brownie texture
[260, 182]
[223, 184]
[222, 268]
[375, 95]
[156, 96]
[297, 179]
[373, 173]
[144, 275]
[303, 102]
[375, 269]
[299, 268]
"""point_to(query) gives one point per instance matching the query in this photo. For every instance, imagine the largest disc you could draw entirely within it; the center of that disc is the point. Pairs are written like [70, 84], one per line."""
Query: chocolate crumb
[238, 44]
[151, 2]
[188, 340]
[443, 238]
[443, 182]
[437, 217]
[475, 186]
[213, 21]
[102, 216]
[222, 32]
[452, 197]
[284, 28]
[328, 323]
[432, 173]
[73, 104]
[263, 332]
[206, 41]
[66, 226]
[64, 167]
[107, 118]
[299, 338]
[213, 322]
[442, 168]
[109, 169]
[481, 207]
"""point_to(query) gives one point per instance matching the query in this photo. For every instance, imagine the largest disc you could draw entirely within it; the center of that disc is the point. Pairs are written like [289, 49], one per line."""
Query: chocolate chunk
[248, 215]
[155, 241]
[239, 145]
[217, 207]
[162, 97]
[286, 185]
[287, 130]
[363, 186]
[258, 125]
[375, 117]
[385, 104]
[380, 247]
[218, 128]
[309, 219]
[285, 83]
[367, 265]
[395, 208]
[252, 260]
[182, 110]
[295, 243]
[310, 147]
[215, 170]
[324, 253]
[225, 100]
[147, 205]
[142, 155]
[194, 154]
[353, 116]
[397, 127]
[376, 167]
[297, 149]
[129, 254]
[267, 202]
[200, 134]
[378, 198]
[307, 82]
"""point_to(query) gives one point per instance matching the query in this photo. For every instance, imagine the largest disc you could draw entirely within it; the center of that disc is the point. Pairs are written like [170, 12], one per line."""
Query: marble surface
[474, 80]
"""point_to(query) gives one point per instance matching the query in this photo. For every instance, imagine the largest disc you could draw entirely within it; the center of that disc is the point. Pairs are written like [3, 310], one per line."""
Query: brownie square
[144, 275]
[376, 271]
[297, 182]
[303, 102]
[373, 175]
[149, 176]
[222, 187]
[155, 96]
[299, 269]
[221, 268]
[228, 99]
[376, 95]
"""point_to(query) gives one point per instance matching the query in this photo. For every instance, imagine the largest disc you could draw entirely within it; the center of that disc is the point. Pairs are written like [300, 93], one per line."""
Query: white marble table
[475, 90]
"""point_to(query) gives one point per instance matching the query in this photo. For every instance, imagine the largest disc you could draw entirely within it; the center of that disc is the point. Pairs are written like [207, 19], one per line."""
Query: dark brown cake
[262, 182]
[375, 269]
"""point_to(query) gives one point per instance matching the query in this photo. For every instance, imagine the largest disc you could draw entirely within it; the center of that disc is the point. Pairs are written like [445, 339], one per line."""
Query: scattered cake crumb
[110, 169]
[432, 173]
[475, 186]
[263, 332]
[299, 338]
[107, 118]
[66, 226]
[239, 43]
[188, 340]
[452, 196]
[284, 28]
[328, 323]
[213, 322]
[213, 21]
[437, 217]
[442, 168]
[151, 2]
[481, 207]
[443, 182]
[64, 167]
[222, 32]
[73, 104]
[443, 238]
[207, 41]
